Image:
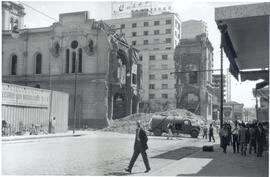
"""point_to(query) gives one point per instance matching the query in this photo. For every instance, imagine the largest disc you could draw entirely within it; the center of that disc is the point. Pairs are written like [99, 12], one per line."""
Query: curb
[40, 137]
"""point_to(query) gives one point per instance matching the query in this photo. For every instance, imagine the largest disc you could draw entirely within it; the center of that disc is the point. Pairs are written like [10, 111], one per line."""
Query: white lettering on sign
[24, 96]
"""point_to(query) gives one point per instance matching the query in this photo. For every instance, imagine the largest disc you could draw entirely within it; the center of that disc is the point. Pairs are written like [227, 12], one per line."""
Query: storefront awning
[246, 39]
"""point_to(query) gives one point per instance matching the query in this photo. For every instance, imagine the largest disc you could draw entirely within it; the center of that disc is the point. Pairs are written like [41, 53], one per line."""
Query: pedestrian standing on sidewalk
[223, 138]
[140, 147]
[243, 138]
[211, 133]
[260, 139]
[170, 134]
[205, 131]
[235, 140]
[53, 125]
[252, 139]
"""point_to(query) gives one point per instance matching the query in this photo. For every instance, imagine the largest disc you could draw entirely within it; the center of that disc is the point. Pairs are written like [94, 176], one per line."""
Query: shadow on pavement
[120, 173]
[178, 154]
[231, 164]
[116, 174]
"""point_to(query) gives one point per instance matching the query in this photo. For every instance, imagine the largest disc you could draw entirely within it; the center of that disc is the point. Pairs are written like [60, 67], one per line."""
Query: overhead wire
[42, 13]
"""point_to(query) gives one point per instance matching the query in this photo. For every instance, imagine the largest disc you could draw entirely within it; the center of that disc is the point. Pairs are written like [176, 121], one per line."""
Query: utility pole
[222, 28]
[75, 95]
[221, 86]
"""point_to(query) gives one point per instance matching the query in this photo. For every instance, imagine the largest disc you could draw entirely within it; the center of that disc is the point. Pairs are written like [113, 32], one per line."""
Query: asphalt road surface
[97, 153]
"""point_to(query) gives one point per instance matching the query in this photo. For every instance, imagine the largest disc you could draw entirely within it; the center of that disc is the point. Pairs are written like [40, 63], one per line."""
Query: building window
[73, 62]
[67, 61]
[152, 57]
[164, 66]
[37, 86]
[168, 31]
[14, 65]
[145, 42]
[38, 63]
[152, 76]
[123, 26]
[74, 44]
[164, 57]
[156, 32]
[168, 40]
[141, 58]
[80, 60]
[156, 23]
[134, 25]
[164, 76]
[146, 24]
[145, 33]
[134, 79]
[156, 49]
[165, 96]
[151, 96]
[151, 86]
[193, 77]
[168, 22]
[168, 48]
[133, 42]
[134, 34]
[164, 86]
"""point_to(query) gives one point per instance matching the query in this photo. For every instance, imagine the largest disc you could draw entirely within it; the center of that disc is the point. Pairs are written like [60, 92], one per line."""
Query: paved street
[107, 153]
[98, 153]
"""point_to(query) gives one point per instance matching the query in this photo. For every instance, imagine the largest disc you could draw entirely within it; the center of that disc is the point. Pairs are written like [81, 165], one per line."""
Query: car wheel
[194, 134]
[157, 132]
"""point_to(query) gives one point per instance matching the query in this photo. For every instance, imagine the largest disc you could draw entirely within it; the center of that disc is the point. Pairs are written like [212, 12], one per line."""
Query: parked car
[158, 125]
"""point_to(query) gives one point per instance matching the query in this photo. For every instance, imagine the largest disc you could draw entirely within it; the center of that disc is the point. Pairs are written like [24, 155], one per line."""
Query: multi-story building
[193, 64]
[79, 56]
[226, 85]
[192, 28]
[156, 37]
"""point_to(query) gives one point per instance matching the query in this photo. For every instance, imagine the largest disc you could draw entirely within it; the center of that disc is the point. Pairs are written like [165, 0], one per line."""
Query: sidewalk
[216, 164]
[56, 135]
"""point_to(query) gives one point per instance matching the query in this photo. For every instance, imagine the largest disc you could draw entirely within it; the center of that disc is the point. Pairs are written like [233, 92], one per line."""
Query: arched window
[67, 61]
[80, 60]
[73, 62]
[14, 65]
[38, 63]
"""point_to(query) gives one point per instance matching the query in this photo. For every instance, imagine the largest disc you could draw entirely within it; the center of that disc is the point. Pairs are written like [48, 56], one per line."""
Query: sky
[240, 91]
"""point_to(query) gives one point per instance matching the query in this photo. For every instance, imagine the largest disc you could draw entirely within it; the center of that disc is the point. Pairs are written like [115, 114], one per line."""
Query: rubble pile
[128, 124]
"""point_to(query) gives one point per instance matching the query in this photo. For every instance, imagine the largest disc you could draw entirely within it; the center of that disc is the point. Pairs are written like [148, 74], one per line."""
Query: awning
[246, 39]
[264, 93]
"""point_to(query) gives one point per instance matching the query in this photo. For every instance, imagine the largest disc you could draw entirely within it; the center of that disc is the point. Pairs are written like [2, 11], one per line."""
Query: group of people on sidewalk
[243, 135]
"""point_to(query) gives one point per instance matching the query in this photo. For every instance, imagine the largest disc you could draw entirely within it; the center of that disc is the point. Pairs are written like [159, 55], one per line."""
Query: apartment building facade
[155, 36]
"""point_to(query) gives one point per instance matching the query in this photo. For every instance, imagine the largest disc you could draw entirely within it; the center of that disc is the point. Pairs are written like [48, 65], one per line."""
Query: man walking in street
[243, 138]
[211, 133]
[170, 134]
[140, 147]
[261, 139]
[235, 140]
[252, 140]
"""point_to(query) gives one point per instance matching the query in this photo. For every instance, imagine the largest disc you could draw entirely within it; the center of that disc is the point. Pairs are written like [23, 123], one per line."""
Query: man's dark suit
[140, 146]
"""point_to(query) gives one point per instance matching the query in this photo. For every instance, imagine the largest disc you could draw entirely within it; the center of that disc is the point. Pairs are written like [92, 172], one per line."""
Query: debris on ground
[128, 123]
